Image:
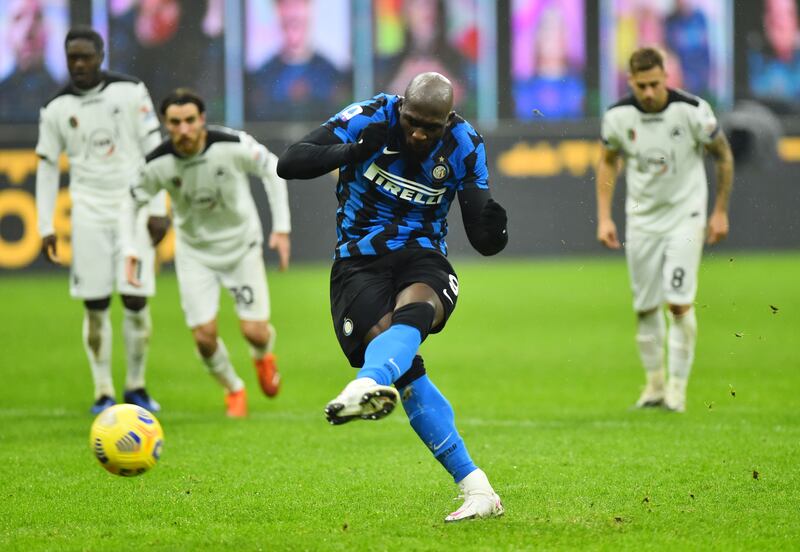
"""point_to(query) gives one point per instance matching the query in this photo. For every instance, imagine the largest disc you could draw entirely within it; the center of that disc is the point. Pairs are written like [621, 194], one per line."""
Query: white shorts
[98, 262]
[663, 268]
[199, 285]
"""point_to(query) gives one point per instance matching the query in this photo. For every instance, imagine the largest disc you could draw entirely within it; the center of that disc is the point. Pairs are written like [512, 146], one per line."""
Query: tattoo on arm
[720, 150]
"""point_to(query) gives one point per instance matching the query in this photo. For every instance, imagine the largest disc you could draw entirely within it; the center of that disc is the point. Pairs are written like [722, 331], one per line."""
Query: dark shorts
[364, 289]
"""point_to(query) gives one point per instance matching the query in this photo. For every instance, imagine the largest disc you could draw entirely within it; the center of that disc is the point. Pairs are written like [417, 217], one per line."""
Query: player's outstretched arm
[321, 151]
[606, 179]
[485, 221]
[720, 150]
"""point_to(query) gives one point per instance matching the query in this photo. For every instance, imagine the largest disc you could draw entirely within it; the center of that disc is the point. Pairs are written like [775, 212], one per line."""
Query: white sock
[682, 339]
[259, 352]
[219, 365]
[136, 327]
[97, 344]
[650, 334]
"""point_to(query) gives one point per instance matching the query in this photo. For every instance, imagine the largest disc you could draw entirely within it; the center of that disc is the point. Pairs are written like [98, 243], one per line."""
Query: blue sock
[432, 418]
[389, 355]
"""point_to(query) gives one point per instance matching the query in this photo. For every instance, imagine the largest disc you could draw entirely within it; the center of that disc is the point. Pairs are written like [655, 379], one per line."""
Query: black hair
[86, 33]
[183, 96]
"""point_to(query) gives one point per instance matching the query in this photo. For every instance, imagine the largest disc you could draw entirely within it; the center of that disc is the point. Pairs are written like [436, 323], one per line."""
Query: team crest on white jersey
[653, 161]
[205, 198]
[403, 188]
[101, 143]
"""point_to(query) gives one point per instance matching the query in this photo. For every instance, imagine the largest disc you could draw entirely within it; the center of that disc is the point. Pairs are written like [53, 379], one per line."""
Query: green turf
[540, 364]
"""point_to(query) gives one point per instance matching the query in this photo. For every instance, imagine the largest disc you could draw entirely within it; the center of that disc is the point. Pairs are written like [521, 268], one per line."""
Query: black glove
[157, 227]
[493, 218]
[372, 138]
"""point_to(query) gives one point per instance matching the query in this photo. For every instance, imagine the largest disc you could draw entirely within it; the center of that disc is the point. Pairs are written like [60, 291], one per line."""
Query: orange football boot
[268, 375]
[236, 404]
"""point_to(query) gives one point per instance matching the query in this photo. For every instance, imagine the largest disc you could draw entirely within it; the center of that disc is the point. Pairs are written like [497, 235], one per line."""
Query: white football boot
[362, 398]
[676, 395]
[653, 392]
[480, 500]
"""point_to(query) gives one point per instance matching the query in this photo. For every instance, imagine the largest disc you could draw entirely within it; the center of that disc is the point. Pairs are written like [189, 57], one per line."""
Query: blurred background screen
[695, 34]
[32, 63]
[548, 59]
[413, 36]
[298, 59]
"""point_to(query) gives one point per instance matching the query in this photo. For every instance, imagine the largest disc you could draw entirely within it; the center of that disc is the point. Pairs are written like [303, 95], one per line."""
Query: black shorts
[364, 289]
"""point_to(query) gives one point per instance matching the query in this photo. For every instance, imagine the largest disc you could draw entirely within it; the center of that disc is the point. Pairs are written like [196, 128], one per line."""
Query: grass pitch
[539, 362]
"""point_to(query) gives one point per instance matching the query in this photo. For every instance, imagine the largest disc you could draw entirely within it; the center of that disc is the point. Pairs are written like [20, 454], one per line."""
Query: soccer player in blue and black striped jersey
[402, 161]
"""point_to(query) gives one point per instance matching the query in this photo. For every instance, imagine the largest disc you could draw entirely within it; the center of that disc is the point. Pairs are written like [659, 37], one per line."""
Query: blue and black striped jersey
[392, 201]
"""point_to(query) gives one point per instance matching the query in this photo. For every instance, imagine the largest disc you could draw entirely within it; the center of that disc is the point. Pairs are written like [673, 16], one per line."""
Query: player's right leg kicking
[391, 358]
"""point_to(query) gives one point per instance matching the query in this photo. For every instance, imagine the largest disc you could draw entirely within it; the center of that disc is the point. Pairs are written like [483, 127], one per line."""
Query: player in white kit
[218, 234]
[105, 122]
[662, 135]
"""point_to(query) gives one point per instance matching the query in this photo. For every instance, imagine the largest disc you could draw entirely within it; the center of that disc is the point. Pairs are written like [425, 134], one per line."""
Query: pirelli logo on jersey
[402, 188]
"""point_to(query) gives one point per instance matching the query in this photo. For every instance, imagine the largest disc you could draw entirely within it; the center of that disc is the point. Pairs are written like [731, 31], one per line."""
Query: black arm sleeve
[319, 152]
[486, 241]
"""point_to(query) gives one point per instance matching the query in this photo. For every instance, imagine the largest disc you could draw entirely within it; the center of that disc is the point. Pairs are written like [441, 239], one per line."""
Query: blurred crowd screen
[695, 34]
[414, 36]
[298, 59]
[548, 59]
[167, 44]
[32, 63]
[773, 54]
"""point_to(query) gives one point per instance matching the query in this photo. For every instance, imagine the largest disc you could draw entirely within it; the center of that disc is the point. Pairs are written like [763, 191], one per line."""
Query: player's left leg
[92, 281]
[137, 326]
[433, 420]
[681, 267]
[645, 255]
[247, 284]
[199, 290]
[682, 341]
[136, 330]
[261, 336]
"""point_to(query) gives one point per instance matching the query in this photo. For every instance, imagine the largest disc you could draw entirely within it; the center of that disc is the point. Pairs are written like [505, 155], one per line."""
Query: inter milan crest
[440, 172]
[347, 327]
[73, 122]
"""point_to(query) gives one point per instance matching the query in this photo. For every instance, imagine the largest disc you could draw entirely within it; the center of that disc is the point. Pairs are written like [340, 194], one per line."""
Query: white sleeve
[703, 122]
[158, 205]
[609, 133]
[261, 162]
[47, 179]
[50, 145]
[141, 193]
[147, 125]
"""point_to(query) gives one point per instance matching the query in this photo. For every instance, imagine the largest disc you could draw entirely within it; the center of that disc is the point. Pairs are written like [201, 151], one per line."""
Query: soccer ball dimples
[126, 439]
